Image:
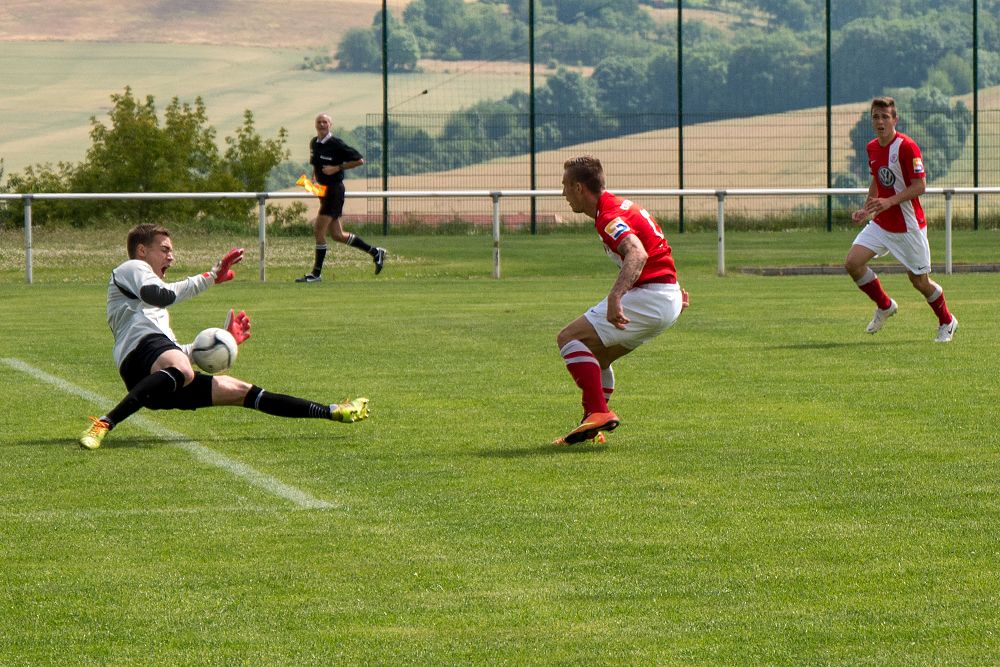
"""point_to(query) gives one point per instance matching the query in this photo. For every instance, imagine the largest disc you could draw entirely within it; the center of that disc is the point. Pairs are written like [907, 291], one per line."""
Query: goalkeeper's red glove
[221, 271]
[238, 325]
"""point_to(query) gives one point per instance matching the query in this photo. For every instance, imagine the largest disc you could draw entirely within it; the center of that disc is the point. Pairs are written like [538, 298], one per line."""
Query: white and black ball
[214, 350]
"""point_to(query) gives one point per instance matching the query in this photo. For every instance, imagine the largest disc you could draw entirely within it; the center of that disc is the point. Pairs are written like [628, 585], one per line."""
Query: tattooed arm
[633, 259]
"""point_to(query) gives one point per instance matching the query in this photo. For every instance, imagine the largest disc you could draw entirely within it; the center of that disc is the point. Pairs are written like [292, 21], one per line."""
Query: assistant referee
[330, 158]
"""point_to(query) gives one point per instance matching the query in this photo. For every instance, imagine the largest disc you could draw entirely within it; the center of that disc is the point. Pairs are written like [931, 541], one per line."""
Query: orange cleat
[591, 427]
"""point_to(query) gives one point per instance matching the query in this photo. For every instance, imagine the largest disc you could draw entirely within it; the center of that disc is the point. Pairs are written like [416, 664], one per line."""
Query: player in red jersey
[644, 301]
[898, 224]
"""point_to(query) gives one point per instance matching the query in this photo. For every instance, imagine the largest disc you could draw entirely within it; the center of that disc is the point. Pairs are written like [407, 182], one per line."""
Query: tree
[795, 14]
[487, 33]
[872, 55]
[443, 13]
[359, 51]
[774, 73]
[952, 75]
[661, 82]
[402, 49]
[621, 86]
[568, 102]
[136, 154]
[571, 11]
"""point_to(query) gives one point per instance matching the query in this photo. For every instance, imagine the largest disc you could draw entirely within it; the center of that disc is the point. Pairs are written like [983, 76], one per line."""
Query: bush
[137, 154]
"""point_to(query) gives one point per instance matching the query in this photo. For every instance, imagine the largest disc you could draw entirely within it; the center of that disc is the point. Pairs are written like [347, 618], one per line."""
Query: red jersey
[618, 218]
[894, 168]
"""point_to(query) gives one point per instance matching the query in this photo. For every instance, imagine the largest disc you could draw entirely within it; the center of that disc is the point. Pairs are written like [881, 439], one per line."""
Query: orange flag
[311, 188]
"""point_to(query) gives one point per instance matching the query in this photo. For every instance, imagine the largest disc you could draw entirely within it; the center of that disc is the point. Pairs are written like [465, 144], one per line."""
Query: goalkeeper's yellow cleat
[350, 410]
[92, 437]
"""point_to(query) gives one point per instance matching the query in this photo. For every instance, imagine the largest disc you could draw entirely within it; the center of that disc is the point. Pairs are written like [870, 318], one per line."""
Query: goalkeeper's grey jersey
[138, 300]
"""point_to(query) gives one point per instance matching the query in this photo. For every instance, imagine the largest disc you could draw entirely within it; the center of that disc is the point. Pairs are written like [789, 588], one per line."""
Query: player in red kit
[897, 224]
[644, 301]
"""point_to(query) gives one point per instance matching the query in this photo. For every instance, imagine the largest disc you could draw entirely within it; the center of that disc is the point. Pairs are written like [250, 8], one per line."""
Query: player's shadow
[152, 442]
[542, 450]
[832, 346]
[149, 442]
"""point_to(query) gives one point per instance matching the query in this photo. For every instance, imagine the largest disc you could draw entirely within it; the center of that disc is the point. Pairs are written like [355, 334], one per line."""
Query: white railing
[494, 195]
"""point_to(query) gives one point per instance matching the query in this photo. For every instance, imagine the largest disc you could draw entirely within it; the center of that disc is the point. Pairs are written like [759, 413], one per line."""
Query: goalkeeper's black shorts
[139, 364]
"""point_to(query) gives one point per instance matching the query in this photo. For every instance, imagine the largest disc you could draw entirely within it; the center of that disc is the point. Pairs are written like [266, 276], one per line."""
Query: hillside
[286, 24]
[50, 90]
[774, 151]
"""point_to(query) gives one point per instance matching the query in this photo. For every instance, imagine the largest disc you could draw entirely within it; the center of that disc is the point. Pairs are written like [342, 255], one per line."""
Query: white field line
[200, 452]
[78, 514]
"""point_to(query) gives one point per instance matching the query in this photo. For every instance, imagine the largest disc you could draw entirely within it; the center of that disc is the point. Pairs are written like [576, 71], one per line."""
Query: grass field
[784, 489]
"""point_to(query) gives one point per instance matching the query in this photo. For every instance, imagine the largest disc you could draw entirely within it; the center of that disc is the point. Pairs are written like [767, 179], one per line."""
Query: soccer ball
[214, 350]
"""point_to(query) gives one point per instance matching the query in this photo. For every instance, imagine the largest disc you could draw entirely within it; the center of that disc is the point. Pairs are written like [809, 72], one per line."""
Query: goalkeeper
[156, 370]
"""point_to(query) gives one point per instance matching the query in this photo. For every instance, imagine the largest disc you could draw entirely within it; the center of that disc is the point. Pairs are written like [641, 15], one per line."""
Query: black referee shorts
[139, 364]
[332, 203]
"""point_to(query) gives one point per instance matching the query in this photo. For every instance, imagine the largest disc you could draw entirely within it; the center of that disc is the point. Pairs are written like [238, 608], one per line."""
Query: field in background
[786, 150]
[49, 91]
[290, 24]
[784, 489]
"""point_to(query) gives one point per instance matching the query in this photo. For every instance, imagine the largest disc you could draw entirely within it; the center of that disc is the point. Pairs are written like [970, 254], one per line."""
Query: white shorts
[909, 248]
[652, 308]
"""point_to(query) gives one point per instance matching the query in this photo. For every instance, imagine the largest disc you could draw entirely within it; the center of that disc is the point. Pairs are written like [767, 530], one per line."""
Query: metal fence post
[27, 239]
[947, 231]
[262, 231]
[496, 233]
[721, 195]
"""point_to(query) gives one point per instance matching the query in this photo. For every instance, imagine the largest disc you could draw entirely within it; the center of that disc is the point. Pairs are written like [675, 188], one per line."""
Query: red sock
[586, 371]
[876, 293]
[940, 309]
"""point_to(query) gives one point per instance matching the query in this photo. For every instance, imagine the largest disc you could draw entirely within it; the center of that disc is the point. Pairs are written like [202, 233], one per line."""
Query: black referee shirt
[332, 152]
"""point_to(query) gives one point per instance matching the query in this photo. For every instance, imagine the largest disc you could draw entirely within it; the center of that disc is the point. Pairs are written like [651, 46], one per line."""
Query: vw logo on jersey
[886, 177]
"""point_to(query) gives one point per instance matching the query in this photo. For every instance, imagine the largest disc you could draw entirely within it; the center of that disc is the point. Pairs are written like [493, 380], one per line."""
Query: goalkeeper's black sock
[148, 391]
[281, 405]
[320, 256]
[355, 242]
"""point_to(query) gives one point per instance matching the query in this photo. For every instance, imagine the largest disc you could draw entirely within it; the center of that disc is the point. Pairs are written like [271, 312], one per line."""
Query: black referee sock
[149, 390]
[281, 405]
[355, 242]
[320, 256]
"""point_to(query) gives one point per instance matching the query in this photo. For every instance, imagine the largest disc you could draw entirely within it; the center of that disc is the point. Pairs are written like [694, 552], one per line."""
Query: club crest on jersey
[918, 166]
[616, 228]
[886, 177]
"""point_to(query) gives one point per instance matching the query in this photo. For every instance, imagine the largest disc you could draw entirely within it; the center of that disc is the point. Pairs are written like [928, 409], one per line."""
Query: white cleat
[881, 316]
[946, 331]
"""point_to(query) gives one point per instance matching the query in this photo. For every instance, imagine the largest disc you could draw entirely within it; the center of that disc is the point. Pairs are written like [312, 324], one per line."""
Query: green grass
[51, 89]
[784, 489]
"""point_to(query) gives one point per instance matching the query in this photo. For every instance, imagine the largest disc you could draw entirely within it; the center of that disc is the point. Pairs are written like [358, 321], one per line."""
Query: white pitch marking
[200, 452]
[78, 514]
